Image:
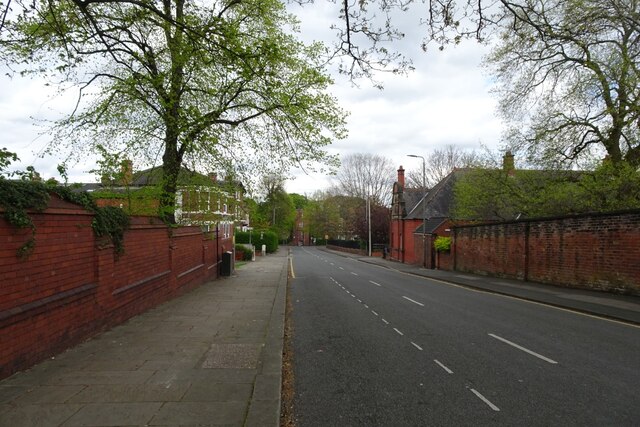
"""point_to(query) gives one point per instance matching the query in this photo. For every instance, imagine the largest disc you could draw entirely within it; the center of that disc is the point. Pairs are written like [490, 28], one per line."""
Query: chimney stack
[508, 164]
[401, 176]
[126, 170]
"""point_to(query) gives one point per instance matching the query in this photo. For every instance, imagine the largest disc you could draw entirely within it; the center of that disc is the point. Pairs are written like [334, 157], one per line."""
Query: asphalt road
[374, 347]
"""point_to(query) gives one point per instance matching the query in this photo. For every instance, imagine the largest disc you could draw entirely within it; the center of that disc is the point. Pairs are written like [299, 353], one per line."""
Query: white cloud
[444, 101]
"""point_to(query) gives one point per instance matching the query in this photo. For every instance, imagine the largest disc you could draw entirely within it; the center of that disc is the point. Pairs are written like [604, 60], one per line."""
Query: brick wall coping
[551, 218]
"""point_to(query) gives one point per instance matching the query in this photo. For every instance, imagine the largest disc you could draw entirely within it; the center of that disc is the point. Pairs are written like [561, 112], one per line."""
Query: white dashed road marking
[413, 301]
[526, 350]
[449, 371]
[485, 400]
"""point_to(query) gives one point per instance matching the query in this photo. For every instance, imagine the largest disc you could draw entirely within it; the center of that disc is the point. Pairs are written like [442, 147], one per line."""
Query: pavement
[625, 308]
[210, 357]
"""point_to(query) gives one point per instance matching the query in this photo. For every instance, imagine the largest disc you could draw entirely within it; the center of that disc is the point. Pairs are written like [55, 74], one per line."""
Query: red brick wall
[588, 251]
[433, 258]
[73, 286]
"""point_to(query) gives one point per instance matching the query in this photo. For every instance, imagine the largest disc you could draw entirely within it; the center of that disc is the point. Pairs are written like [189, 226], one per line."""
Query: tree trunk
[171, 162]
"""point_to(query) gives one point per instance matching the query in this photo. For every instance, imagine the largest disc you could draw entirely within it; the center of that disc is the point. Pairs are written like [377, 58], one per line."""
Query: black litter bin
[227, 263]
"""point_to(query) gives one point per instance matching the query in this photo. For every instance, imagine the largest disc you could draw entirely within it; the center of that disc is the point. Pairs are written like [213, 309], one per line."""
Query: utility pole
[369, 220]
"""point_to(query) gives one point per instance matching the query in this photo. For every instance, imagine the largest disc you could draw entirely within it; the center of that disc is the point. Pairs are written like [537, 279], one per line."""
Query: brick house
[301, 235]
[418, 218]
[200, 200]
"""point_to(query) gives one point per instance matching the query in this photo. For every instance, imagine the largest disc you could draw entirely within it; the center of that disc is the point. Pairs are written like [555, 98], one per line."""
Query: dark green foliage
[247, 254]
[259, 238]
[6, 158]
[111, 222]
[484, 194]
[299, 201]
[17, 197]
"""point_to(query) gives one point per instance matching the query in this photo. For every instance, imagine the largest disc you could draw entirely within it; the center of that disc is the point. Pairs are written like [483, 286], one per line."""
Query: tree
[185, 80]
[299, 201]
[333, 215]
[380, 222]
[569, 72]
[440, 163]
[365, 174]
[277, 208]
[6, 158]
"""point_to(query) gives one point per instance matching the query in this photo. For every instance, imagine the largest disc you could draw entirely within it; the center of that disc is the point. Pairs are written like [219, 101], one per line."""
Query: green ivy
[17, 197]
[442, 243]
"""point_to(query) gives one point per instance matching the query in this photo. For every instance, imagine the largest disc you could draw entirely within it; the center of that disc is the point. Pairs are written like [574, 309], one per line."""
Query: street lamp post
[424, 210]
[369, 222]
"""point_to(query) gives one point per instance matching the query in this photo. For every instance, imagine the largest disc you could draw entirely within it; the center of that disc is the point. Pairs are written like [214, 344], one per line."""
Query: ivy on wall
[19, 197]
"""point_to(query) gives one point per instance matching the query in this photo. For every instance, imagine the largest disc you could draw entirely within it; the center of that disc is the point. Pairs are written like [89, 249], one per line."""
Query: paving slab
[210, 357]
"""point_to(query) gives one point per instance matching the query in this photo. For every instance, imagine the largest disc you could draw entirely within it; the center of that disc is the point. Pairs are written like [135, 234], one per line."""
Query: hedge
[269, 238]
[247, 254]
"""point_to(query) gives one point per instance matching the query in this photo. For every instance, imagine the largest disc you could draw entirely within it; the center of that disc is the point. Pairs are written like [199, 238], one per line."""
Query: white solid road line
[449, 371]
[485, 400]
[413, 301]
[416, 346]
[526, 350]
[377, 284]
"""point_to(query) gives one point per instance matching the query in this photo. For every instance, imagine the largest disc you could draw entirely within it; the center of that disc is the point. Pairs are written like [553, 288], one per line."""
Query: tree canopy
[364, 174]
[439, 164]
[569, 79]
[183, 81]
[499, 194]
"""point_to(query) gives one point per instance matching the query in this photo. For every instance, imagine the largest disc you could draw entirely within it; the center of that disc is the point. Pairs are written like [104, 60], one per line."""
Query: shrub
[442, 243]
[247, 254]
[259, 238]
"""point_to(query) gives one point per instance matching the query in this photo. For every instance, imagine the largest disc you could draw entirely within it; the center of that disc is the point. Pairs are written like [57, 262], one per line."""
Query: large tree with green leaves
[569, 78]
[277, 209]
[181, 80]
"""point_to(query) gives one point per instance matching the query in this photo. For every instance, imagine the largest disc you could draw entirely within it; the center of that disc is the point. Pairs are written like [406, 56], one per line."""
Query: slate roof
[411, 197]
[439, 200]
[431, 225]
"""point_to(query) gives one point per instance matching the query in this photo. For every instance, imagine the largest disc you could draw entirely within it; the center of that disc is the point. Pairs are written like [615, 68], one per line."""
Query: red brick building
[410, 210]
[300, 230]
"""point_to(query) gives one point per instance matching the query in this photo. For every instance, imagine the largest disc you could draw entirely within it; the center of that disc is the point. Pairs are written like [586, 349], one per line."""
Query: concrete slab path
[211, 357]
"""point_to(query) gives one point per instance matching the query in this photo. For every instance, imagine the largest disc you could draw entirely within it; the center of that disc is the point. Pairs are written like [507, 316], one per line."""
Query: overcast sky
[446, 100]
